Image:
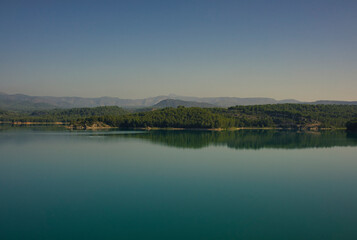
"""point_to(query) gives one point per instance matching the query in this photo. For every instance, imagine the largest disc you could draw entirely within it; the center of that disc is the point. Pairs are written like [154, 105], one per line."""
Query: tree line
[61, 115]
[275, 115]
[270, 115]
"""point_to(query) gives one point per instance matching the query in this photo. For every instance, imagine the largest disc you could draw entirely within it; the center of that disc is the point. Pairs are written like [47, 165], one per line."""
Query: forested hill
[276, 115]
[296, 116]
[290, 115]
[61, 115]
[82, 112]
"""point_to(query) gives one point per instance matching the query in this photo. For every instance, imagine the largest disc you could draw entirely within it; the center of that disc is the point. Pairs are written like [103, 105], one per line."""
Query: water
[57, 184]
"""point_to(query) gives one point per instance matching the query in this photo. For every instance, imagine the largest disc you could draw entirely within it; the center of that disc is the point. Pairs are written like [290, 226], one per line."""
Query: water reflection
[243, 139]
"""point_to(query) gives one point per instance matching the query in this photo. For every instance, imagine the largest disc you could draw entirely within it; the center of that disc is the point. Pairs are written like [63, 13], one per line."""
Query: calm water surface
[57, 184]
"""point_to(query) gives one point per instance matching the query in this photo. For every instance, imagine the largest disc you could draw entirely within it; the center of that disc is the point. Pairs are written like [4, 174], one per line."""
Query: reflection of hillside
[249, 139]
[242, 139]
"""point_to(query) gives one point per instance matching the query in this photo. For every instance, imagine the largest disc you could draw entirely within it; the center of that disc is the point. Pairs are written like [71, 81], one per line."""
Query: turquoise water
[57, 184]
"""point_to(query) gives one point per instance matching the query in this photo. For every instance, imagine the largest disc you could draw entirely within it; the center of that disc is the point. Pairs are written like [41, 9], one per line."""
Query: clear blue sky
[305, 50]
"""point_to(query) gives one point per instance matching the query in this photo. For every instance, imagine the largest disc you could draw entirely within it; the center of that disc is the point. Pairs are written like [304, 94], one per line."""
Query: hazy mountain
[233, 101]
[25, 102]
[289, 101]
[21, 102]
[175, 103]
[226, 101]
[329, 102]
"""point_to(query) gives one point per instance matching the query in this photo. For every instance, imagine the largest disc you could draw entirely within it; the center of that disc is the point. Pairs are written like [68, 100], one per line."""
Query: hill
[287, 116]
[61, 115]
[175, 103]
[21, 102]
[334, 102]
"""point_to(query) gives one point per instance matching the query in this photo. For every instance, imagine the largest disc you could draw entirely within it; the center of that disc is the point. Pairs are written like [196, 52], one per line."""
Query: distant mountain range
[175, 103]
[20, 102]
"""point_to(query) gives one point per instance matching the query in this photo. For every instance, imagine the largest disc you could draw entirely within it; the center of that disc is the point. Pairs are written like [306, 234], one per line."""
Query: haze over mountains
[176, 102]
[24, 102]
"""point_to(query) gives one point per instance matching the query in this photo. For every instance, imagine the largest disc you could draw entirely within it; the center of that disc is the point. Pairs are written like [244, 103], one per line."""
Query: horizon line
[176, 95]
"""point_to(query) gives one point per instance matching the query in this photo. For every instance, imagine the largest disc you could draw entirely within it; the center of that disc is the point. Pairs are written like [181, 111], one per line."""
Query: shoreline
[33, 123]
[204, 129]
[67, 126]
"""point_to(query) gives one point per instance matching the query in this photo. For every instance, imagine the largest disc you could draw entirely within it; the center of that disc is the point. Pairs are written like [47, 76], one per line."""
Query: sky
[306, 50]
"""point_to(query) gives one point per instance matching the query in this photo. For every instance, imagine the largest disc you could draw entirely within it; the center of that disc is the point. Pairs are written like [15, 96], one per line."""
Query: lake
[248, 184]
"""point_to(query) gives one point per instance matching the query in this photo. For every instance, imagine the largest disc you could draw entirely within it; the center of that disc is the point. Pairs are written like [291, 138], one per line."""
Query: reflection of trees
[248, 139]
[352, 136]
[242, 139]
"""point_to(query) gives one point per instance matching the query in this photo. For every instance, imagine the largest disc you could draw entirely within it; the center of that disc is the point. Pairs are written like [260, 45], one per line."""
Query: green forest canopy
[276, 115]
[270, 115]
